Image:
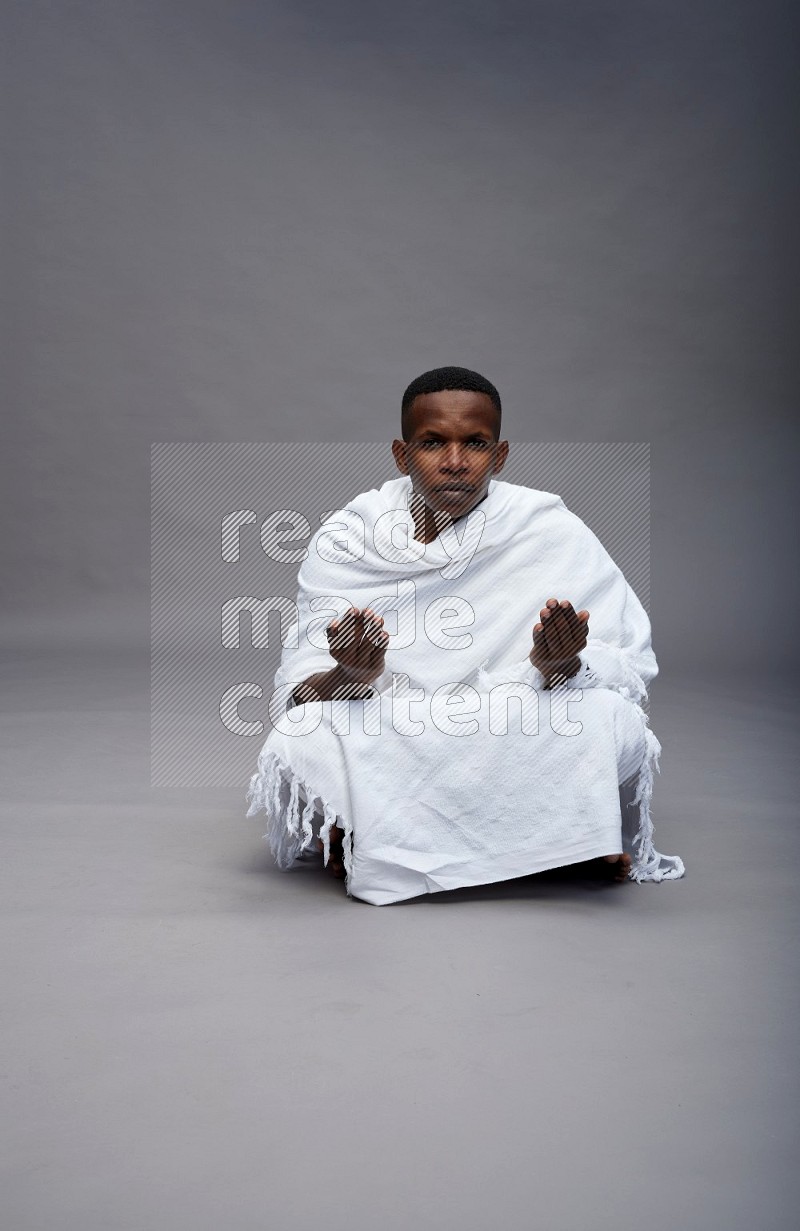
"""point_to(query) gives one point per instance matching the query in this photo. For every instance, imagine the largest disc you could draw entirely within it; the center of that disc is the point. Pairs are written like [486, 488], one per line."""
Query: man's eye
[429, 444]
[480, 444]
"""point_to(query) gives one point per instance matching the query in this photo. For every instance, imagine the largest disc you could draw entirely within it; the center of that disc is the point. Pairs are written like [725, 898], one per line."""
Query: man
[412, 804]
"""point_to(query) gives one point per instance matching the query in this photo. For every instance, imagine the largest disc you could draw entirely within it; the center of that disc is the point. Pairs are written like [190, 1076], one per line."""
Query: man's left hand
[558, 639]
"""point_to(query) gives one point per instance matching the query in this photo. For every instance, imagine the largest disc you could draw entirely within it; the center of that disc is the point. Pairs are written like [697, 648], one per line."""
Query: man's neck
[428, 525]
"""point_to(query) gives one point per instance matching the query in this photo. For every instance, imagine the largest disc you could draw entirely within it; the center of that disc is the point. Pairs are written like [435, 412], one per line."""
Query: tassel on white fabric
[307, 818]
[264, 794]
[290, 831]
[328, 819]
[648, 863]
[293, 814]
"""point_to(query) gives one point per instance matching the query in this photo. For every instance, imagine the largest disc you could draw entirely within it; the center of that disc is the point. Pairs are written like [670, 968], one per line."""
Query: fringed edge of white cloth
[648, 864]
[291, 834]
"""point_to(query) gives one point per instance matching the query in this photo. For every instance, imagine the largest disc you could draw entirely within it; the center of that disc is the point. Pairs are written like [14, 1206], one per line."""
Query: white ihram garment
[462, 769]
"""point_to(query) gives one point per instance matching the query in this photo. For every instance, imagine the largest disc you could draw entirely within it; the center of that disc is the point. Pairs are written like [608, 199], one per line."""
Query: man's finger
[550, 622]
[553, 639]
[577, 630]
[373, 627]
[344, 633]
[570, 635]
[539, 639]
[338, 634]
[358, 626]
[564, 631]
[570, 615]
[546, 613]
[379, 650]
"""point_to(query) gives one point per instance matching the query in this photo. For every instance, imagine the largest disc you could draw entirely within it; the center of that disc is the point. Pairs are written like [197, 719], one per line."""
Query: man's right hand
[358, 642]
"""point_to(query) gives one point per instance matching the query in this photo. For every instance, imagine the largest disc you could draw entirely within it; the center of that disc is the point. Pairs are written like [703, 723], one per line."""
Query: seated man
[472, 786]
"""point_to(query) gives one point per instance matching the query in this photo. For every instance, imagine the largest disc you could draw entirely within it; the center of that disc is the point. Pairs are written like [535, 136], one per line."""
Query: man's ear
[500, 458]
[399, 453]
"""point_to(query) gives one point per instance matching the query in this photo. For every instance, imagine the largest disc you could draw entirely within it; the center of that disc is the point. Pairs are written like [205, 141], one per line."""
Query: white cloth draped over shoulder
[462, 769]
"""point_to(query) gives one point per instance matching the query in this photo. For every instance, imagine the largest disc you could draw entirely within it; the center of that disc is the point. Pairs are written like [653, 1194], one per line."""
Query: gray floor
[195, 1040]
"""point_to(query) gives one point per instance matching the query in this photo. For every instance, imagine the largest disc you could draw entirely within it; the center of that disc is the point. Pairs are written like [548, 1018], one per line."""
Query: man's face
[452, 451]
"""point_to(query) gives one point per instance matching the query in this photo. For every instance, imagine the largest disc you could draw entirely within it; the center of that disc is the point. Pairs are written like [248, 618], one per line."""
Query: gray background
[255, 221]
[251, 221]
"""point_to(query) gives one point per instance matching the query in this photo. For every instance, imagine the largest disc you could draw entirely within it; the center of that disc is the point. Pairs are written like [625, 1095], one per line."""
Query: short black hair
[439, 379]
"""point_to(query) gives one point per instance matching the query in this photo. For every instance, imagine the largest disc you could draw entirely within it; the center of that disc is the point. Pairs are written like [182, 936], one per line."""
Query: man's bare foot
[335, 864]
[616, 866]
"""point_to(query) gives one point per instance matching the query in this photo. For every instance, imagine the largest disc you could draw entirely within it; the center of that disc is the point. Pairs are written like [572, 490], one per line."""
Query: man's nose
[454, 458]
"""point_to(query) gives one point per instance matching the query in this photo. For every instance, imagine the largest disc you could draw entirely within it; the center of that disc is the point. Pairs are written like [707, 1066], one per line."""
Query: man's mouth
[455, 487]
